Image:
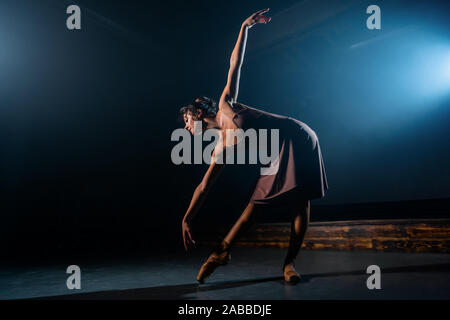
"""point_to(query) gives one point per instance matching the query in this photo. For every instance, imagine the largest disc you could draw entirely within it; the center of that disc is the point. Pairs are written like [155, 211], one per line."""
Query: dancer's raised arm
[230, 93]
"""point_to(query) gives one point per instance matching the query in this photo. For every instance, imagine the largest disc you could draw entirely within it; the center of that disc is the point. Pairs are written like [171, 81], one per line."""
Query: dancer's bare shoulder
[225, 119]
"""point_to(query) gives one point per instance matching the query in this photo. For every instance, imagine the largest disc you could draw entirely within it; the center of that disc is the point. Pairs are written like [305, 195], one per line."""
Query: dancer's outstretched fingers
[185, 241]
[263, 19]
[257, 17]
[190, 237]
[185, 230]
[261, 11]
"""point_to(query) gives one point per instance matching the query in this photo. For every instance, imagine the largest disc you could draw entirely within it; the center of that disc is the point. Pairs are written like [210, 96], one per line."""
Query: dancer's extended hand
[257, 17]
[187, 237]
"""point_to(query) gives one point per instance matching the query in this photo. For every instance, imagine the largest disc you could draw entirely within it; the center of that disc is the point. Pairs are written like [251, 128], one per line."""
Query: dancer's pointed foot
[214, 260]
[290, 274]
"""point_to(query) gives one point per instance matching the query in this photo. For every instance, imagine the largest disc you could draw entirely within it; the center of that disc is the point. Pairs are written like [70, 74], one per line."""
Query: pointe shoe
[213, 261]
[290, 275]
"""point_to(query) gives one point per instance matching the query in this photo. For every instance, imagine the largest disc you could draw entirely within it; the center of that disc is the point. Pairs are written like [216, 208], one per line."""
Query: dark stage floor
[254, 273]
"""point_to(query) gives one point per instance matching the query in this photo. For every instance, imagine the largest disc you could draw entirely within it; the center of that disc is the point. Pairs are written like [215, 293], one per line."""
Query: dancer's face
[189, 121]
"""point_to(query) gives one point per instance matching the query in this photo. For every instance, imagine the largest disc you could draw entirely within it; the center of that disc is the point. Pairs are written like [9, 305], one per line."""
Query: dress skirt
[300, 170]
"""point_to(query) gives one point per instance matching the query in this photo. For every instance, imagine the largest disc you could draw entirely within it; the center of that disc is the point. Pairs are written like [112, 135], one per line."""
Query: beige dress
[300, 168]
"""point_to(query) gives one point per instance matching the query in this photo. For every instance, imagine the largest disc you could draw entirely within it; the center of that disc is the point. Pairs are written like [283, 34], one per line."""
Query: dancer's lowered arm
[199, 196]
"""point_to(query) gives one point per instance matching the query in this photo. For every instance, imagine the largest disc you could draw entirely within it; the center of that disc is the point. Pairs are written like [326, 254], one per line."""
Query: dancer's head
[199, 110]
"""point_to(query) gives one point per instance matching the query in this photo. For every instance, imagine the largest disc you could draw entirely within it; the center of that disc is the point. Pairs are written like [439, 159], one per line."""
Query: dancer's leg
[220, 255]
[299, 226]
[241, 225]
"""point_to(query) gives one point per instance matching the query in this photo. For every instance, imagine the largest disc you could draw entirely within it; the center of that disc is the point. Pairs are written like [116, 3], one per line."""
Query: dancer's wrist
[187, 220]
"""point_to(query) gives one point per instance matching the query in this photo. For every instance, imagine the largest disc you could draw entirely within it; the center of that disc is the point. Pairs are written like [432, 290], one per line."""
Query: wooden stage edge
[417, 235]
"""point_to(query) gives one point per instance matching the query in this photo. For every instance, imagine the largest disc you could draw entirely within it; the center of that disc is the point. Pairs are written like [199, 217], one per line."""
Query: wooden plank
[421, 235]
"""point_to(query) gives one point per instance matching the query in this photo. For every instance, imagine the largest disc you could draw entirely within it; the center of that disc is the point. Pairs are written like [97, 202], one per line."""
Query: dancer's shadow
[174, 292]
[445, 267]
[182, 291]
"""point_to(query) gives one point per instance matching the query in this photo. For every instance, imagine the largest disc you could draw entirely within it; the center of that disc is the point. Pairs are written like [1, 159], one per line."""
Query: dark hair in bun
[207, 105]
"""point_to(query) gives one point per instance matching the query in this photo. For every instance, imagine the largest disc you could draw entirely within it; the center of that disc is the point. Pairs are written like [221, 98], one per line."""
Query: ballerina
[299, 178]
